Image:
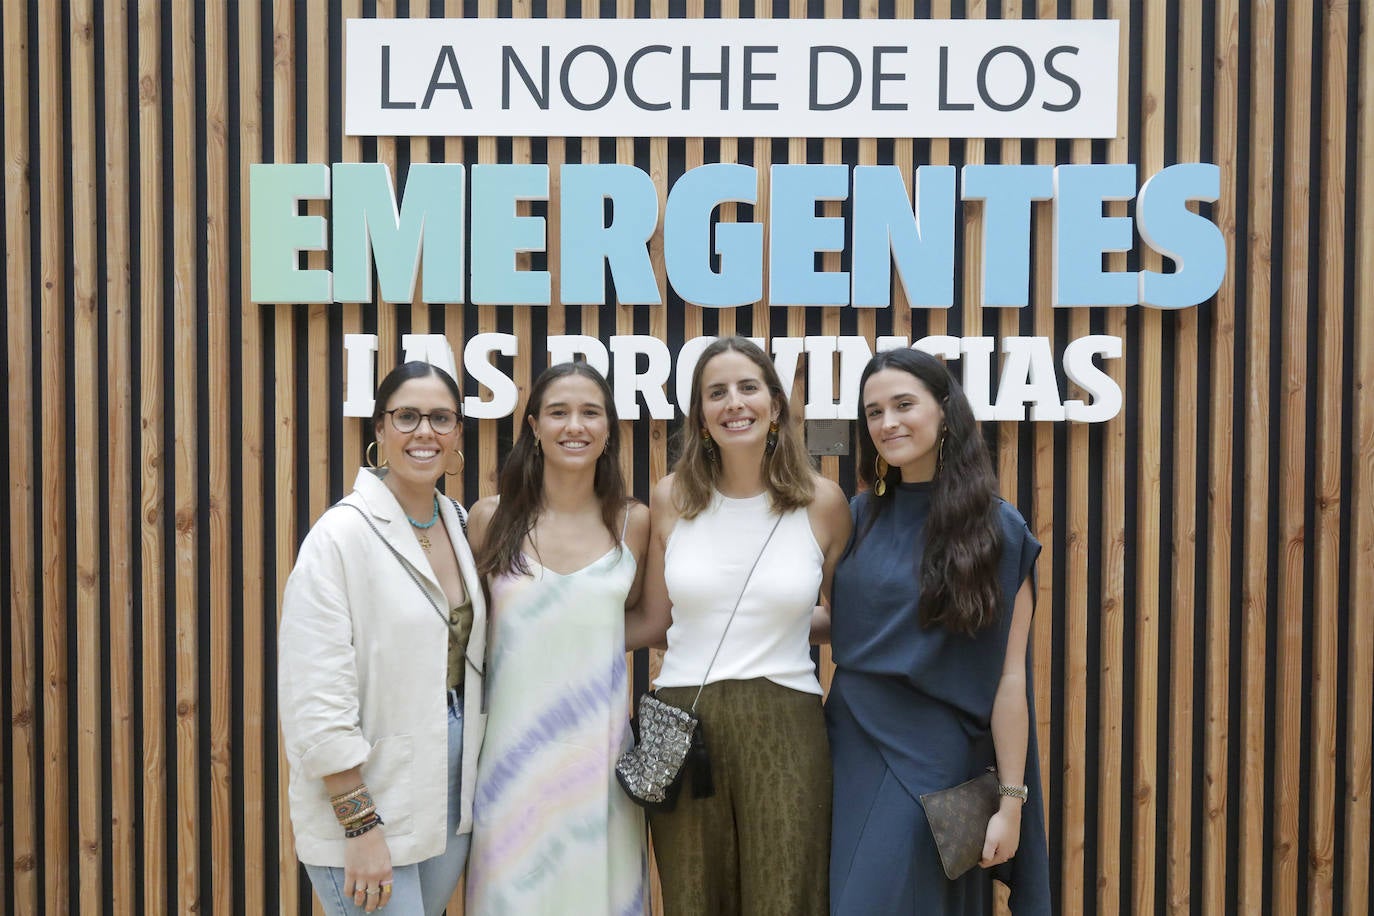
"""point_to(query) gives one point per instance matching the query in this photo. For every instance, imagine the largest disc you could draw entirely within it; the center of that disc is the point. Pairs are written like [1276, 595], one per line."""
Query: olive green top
[460, 628]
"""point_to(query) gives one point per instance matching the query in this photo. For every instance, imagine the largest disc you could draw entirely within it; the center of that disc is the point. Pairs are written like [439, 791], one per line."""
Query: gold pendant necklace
[422, 528]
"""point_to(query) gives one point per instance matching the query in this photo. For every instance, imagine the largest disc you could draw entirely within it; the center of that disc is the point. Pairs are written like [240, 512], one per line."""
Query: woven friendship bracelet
[352, 808]
[358, 818]
[351, 793]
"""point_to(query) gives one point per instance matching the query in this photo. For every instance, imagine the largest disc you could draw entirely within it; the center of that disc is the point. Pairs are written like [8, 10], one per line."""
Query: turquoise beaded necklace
[422, 527]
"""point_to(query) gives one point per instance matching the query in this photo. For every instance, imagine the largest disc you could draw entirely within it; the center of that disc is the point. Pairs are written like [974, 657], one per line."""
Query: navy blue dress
[910, 712]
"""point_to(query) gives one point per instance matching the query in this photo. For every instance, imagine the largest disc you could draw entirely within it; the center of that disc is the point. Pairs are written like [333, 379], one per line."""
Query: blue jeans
[424, 888]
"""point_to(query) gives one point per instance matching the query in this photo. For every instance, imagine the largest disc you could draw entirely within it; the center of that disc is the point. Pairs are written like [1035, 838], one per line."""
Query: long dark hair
[522, 479]
[786, 469]
[963, 541]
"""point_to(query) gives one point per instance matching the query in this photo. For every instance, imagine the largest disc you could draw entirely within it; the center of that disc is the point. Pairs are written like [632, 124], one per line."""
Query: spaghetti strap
[625, 523]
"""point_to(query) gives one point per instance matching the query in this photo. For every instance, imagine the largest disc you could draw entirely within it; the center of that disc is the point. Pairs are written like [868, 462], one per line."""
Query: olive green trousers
[761, 844]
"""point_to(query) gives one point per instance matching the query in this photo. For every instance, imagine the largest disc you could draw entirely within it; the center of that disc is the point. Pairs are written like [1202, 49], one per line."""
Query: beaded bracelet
[352, 793]
[373, 820]
[358, 818]
[352, 806]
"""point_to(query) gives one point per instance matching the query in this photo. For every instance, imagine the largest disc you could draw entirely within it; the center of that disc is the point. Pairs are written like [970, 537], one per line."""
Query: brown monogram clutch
[959, 821]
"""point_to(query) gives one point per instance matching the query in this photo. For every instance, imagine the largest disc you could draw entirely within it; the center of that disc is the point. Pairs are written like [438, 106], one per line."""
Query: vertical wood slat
[25, 611]
[250, 507]
[1287, 665]
[219, 817]
[1320, 744]
[1360, 640]
[353, 429]
[1112, 874]
[321, 411]
[284, 383]
[52, 294]
[1178, 854]
[1251, 892]
[867, 329]
[726, 324]
[118, 383]
[285, 477]
[1217, 725]
[935, 319]
[90, 803]
[832, 154]
[625, 314]
[386, 313]
[152, 402]
[185, 387]
[522, 154]
[313, 18]
[1150, 158]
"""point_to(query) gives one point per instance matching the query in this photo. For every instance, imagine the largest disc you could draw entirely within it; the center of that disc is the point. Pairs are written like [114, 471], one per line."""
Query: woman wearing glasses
[380, 668]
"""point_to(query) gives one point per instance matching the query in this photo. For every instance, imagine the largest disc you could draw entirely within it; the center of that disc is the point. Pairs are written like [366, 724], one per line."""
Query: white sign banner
[731, 78]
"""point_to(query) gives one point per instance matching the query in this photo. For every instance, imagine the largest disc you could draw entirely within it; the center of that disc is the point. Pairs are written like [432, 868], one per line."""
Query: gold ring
[370, 891]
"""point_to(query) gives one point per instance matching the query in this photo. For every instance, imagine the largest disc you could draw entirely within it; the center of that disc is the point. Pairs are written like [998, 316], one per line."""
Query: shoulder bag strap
[462, 514]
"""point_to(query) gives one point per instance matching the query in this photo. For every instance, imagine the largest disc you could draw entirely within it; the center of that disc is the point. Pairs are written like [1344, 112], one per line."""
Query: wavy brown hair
[786, 468]
[963, 540]
[522, 479]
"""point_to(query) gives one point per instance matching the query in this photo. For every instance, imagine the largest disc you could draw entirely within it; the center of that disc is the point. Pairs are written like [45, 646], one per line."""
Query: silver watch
[1021, 792]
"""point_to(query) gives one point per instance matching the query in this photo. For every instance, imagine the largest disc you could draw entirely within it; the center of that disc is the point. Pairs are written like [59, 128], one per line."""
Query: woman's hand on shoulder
[479, 521]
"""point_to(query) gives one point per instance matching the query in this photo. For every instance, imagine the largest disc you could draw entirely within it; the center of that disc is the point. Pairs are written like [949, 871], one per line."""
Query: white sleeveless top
[706, 562]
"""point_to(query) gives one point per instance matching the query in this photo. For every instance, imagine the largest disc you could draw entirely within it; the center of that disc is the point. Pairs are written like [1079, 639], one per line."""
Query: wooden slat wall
[1204, 642]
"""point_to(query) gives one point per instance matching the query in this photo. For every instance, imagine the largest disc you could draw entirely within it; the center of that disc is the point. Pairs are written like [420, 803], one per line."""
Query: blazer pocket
[390, 774]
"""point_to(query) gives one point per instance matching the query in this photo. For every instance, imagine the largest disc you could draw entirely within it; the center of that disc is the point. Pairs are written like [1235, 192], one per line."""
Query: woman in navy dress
[930, 633]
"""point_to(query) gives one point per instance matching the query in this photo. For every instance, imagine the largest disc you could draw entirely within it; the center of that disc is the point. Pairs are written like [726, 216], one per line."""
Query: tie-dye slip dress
[553, 832]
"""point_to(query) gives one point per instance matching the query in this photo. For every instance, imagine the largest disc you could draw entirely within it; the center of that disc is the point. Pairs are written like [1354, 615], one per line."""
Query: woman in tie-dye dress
[560, 550]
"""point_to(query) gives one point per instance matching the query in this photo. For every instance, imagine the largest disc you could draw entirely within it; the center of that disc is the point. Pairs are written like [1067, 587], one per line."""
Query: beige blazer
[362, 662]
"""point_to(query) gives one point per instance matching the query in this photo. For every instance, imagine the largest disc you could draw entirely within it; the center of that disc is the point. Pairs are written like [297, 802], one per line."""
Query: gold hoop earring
[772, 441]
[879, 476]
[462, 463]
[940, 458]
[370, 455]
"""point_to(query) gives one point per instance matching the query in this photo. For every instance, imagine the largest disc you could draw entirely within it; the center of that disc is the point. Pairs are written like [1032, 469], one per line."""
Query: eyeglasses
[407, 420]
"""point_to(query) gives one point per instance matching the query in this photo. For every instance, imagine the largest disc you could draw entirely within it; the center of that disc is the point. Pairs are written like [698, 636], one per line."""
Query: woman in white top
[752, 836]
[383, 624]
